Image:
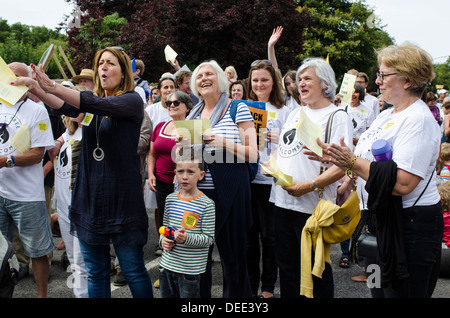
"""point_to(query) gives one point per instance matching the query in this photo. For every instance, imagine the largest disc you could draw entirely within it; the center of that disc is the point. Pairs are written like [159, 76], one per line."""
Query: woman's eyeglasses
[267, 62]
[383, 76]
[175, 103]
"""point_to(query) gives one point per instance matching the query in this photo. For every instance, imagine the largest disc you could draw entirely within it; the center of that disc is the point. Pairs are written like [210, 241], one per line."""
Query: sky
[423, 22]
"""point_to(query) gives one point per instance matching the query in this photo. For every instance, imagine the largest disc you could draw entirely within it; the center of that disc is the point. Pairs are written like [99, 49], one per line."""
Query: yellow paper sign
[193, 129]
[347, 88]
[308, 132]
[22, 139]
[9, 95]
[282, 178]
[170, 54]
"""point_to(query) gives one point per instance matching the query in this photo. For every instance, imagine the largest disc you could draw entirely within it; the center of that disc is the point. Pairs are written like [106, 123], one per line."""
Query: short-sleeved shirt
[24, 183]
[415, 139]
[292, 160]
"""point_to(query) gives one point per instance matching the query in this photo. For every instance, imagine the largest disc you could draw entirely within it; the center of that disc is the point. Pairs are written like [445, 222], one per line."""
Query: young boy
[192, 213]
[444, 174]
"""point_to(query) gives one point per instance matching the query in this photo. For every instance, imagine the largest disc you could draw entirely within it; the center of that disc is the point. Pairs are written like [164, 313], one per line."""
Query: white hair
[222, 79]
[324, 72]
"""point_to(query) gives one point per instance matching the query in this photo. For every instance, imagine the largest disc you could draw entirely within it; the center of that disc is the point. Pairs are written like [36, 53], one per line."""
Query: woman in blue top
[107, 202]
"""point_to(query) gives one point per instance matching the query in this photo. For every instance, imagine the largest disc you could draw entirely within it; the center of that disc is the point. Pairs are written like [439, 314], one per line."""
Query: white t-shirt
[63, 171]
[275, 121]
[415, 139]
[24, 183]
[372, 103]
[292, 161]
[361, 117]
[291, 103]
[158, 113]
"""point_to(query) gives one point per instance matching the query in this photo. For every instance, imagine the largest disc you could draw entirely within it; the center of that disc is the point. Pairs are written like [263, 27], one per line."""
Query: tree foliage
[231, 32]
[346, 31]
[26, 44]
[442, 75]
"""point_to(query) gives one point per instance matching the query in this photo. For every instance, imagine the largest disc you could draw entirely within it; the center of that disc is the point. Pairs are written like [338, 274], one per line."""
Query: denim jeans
[177, 285]
[32, 222]
[98, 266]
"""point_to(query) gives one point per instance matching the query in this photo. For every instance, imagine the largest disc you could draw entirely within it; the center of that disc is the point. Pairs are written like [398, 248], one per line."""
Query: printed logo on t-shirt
[8, 128]
[365, 143]
[63, 169]
[289, 145]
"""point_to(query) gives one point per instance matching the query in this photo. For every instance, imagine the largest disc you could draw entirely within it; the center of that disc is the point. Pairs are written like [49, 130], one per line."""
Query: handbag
[348, 215]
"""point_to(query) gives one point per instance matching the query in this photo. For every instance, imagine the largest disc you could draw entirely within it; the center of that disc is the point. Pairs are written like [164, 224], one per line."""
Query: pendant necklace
[4, 125]
[98, 152]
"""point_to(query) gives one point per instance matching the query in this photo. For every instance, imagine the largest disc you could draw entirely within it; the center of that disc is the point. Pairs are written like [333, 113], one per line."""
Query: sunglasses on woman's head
[175, 103]
[267, 62]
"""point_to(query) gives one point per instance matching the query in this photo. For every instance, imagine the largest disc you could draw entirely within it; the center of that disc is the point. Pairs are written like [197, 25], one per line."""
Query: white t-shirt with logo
[372, 103]
[24, 183]
[415, 139]
[276, 117]
[292, 161]
[63, 172]
[361, 117]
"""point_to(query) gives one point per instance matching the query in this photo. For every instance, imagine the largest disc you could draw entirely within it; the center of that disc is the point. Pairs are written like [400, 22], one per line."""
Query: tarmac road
[58, 287]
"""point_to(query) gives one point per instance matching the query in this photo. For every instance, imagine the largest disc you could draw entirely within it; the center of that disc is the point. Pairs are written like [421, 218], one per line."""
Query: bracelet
[13, 161]
[350, 167]
[57, 140]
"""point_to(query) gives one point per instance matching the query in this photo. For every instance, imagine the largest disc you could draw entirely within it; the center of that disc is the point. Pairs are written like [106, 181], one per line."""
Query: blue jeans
[32, 222]
[177, 285]
[98, 266]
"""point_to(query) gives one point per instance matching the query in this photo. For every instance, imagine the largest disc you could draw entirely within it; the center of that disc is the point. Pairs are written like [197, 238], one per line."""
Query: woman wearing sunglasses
[160, 166]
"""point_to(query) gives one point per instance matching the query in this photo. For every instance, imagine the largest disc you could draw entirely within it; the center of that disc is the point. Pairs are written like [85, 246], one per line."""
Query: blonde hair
[410, 62]
[127, 84]
[445, 151]
[444, 192]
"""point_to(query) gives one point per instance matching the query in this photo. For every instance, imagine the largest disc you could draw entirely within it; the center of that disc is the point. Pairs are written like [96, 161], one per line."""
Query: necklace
[98, 152]
[4, 125]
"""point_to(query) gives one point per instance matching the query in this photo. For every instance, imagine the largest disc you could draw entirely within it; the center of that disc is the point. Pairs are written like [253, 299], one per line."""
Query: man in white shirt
[369, 101]
[22, 197]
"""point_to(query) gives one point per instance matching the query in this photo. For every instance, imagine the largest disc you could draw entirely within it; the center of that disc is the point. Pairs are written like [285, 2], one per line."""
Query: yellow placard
[22, 139]
[308, 132]
[282, 178]
[9, 95]
[260, 121]
[347, 88]
[193, 129]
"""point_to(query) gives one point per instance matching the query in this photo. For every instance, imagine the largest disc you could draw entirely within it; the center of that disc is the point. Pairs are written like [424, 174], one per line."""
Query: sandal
[344, 262]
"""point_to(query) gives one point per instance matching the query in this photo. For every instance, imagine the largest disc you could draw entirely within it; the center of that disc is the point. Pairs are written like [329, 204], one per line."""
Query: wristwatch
[316, 188]
[9, 162]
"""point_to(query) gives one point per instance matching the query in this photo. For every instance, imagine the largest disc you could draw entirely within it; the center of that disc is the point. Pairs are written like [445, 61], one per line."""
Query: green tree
[442, 75]
[24, 43]
[347, 32]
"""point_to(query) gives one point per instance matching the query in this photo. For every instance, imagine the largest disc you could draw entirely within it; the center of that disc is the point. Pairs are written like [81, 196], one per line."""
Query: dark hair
[190, 154]
[244, 89]
[362, 92]
[276, 95]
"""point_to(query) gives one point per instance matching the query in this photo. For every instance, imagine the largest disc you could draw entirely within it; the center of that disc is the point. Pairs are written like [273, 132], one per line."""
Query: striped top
[197, 215]
[227, 128]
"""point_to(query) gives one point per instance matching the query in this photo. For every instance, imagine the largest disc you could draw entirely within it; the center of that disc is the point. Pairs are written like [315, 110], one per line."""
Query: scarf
[215, 114]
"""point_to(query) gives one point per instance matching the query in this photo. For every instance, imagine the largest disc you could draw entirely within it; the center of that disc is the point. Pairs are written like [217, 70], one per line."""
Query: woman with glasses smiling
[160, 166]
[401, 195]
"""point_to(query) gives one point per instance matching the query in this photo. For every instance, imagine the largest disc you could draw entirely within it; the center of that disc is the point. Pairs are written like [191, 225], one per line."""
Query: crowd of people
[117, 153]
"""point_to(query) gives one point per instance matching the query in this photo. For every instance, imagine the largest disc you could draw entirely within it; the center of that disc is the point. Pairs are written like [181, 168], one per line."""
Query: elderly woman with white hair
[231, 144]
[294, 204]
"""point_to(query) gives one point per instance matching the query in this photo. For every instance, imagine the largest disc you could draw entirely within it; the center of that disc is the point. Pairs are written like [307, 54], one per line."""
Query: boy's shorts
[32, 222]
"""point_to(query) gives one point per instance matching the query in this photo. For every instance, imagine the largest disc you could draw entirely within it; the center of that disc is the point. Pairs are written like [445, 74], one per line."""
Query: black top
[107, 199]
